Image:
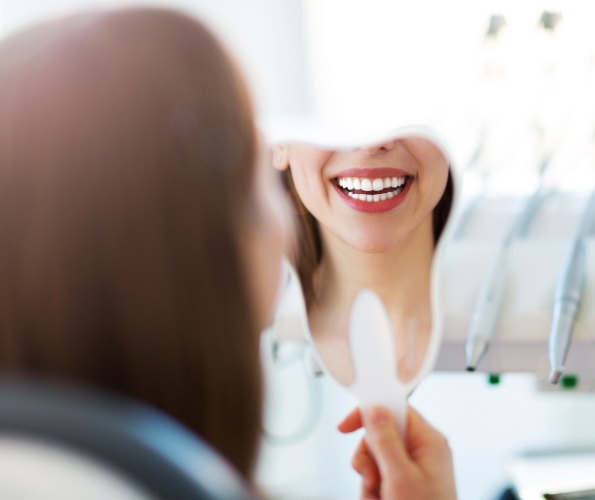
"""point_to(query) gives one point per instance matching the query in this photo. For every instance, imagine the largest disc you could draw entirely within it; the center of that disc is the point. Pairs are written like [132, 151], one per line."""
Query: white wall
[428, 61]
[266, 36]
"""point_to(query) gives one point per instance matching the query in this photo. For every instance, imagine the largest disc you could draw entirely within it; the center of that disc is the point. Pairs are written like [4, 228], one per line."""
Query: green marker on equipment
[569, 382]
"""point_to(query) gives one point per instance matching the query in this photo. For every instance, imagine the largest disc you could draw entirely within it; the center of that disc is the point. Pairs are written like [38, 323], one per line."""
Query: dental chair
[65, 443]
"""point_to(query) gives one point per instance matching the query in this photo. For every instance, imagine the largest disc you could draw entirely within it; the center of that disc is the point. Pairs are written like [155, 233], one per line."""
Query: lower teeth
[374, 197]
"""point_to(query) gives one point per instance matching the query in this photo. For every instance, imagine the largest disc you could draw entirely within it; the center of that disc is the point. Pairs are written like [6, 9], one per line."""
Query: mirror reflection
[367, 217]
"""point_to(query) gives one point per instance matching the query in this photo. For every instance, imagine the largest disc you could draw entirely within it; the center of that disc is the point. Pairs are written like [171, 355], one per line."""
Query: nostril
[387, 146]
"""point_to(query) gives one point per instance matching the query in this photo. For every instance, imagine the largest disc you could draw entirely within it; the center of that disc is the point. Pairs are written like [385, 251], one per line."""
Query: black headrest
[144, 444]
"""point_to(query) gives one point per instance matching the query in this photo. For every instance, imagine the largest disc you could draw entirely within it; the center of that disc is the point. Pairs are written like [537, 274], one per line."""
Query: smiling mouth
[372, 190]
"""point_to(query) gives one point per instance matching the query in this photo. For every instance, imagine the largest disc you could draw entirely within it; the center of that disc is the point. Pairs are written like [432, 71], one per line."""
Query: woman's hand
[419, 468]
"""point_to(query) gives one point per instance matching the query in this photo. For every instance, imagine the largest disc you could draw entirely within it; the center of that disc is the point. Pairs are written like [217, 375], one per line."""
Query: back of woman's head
[127, 148]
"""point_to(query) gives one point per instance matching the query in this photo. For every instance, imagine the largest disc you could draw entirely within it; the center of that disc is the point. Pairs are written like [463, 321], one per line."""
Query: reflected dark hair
[442, 209]
[127, 152]
[307, 252]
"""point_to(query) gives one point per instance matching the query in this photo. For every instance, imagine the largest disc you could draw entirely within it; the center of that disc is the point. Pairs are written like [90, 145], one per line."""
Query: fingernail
[377, 417]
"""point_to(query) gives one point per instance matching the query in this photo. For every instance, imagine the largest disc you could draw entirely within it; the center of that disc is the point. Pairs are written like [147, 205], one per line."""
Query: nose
[386, 146]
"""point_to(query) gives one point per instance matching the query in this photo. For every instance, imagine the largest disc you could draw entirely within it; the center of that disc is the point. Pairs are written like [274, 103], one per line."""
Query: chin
[373, 243]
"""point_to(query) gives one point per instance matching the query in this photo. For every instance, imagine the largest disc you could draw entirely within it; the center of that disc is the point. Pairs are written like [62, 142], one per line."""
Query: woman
[140, 243]
[127, 148]
[368, 218]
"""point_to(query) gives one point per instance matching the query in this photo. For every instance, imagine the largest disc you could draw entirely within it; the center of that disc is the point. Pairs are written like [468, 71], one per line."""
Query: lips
[372, 190]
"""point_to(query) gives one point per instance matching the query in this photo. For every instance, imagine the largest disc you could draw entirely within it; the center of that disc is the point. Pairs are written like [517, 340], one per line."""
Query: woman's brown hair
[307, 251]
[127, 149]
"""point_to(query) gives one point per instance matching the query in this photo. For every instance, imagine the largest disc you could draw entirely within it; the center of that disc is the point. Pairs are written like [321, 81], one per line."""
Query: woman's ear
[280, 157]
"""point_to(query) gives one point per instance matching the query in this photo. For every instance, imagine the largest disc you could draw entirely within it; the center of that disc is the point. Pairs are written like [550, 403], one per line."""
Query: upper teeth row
[367, 184]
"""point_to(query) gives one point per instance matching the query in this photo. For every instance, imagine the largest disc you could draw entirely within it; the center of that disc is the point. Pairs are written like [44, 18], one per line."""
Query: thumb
[385, 443]
[426, 446]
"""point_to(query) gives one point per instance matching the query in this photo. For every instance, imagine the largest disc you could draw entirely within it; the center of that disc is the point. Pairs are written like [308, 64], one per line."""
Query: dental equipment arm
[569, 293]
[487, 307]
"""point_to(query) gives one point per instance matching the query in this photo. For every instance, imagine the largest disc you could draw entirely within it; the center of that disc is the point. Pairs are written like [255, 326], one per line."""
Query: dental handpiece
[486, 310]
[569, 293]
[489, 300]
[567, 300]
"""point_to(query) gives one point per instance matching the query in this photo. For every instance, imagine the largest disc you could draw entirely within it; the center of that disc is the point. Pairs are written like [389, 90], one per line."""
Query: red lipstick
[375, 173]
[372, 172]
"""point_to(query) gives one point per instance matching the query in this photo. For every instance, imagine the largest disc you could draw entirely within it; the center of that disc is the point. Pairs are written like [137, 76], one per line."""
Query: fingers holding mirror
[369, 218]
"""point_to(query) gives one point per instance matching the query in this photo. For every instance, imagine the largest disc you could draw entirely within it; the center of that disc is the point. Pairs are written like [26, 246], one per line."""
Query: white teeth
[366, 184]
[375, 197]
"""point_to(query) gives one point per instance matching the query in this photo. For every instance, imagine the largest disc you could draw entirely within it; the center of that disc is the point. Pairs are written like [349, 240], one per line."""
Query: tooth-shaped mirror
[370, 224]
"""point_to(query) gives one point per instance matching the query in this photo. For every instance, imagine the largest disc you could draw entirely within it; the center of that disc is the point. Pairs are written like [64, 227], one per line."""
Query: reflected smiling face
[372, 198]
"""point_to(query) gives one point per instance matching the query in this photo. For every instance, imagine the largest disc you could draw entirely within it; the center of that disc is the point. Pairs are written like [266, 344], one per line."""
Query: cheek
[303, 188]
[307, 166]
[432, 184]
[311, 192]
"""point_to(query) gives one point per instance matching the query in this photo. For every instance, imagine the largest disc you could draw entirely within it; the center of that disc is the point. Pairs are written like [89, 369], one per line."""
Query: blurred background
[513, 80]
[521, 74]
